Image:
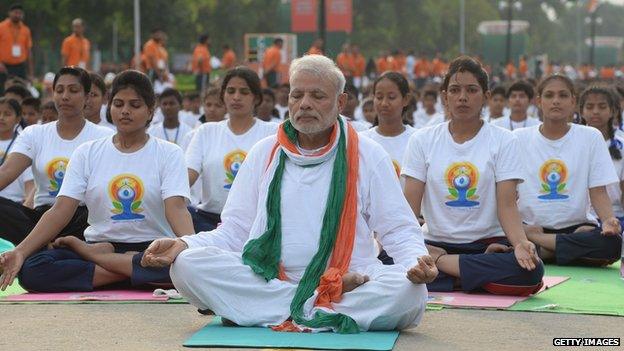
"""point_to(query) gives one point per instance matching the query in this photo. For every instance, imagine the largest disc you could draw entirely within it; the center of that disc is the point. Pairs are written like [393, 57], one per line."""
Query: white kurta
[211, 274]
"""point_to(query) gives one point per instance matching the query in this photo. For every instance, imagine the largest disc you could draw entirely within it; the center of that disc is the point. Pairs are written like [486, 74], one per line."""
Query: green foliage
[428, 26]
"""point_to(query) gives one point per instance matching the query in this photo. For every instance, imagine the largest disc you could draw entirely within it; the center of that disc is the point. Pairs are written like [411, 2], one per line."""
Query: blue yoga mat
[216, 335]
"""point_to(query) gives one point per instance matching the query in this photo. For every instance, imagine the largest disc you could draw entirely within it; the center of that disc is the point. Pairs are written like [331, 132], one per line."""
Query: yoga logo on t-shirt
[55, 169]
[553, 175]
[232, 163]
[126, 193]
[397, 168]
[461, 180]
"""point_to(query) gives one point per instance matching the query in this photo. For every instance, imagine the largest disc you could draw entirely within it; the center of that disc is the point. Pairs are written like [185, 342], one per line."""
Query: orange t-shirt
[155, 55]
[346, 64]
[228, 59]
[510, 70]
[272, 58]
[75, 50]
[360, 65]
[523, 68]
[399, 63]
[202, 53]
[314, 51]
[607, 73]
[382, 65]
[15, 42]
[437, 67]
[422, 69]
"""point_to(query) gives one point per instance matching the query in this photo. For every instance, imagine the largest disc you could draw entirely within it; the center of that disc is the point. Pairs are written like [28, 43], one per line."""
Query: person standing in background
[15, 46]
[75, 49]
[201, 64]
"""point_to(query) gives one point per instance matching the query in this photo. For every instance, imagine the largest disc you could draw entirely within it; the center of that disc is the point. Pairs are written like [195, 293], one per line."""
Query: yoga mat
[589, 291]
[485, 300]
[102, 295]
[5, 245]
[216, 335]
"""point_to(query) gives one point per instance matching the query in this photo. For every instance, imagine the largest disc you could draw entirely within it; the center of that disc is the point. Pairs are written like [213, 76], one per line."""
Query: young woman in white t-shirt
[600, 108]
[464, 173]
[218, 149]
[391, 95]
[47, 148]
[568, 169]
[16, 192]
[135, 187]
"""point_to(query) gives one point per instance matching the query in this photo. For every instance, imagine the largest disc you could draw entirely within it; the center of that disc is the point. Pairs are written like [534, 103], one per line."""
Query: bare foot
[352, 280]
[86, 251]
[435, 252]
[498, 248]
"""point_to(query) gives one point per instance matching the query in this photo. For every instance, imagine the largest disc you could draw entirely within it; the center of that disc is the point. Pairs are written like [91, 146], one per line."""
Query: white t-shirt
[14, 191]
[216, 153]
[459, 203]
[104, 123]
[559, 174]
[196, 189]
[189, 118]
[507, 123]
[282, 110]
[421, 118]
[125, 192]
[614, 190]
[395, 146]
[381, 209]
[175, 135]
[435, 120]
[359, 126]
[50, 154]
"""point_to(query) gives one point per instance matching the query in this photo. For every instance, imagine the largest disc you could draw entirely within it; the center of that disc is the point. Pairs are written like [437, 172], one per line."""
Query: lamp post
[509, 5]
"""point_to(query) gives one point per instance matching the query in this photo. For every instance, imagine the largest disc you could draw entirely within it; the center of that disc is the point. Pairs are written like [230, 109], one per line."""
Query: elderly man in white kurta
[296, 248]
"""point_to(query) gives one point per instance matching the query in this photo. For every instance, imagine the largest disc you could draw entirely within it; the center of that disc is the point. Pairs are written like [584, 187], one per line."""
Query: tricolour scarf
[337, 233]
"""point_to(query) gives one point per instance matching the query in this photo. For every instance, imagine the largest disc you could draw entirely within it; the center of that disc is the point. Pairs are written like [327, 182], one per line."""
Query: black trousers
[17, 221]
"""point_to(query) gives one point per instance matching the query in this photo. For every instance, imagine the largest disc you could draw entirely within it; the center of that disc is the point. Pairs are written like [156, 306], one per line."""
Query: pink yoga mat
[103, 295]
[460, 299]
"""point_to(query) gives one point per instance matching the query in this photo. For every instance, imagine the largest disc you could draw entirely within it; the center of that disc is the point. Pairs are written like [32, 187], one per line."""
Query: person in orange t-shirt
[382, 63]
[15, 46]
[75, 48]
[200, 64]
[270, 62]
[437, 66]
[510, 70]
[228, 60]
[422, 71]
[523, 67]
[399, 61]
[316, 48]
[359, 65]
[344, 60]
[607, 72]
[156, 55]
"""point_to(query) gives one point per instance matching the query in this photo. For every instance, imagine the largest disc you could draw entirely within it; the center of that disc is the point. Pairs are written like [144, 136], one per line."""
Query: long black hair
[615, 147]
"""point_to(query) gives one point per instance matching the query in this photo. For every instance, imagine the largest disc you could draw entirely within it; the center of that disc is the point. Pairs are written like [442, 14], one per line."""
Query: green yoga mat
[588, 291]
[216, 335]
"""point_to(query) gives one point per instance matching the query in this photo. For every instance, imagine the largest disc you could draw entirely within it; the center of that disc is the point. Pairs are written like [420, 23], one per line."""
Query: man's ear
[342, 101]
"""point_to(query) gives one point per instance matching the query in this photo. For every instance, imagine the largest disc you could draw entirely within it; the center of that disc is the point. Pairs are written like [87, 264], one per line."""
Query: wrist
[183, 245]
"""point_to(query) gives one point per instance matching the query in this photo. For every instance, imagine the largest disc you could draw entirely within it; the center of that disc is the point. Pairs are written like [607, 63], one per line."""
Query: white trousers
[215, 279]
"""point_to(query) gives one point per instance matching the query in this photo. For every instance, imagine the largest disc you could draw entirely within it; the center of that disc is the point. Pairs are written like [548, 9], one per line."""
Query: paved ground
[165, 326]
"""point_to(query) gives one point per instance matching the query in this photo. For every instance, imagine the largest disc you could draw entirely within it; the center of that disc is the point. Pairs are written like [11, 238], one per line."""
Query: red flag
[303, 16]
[592, 5]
